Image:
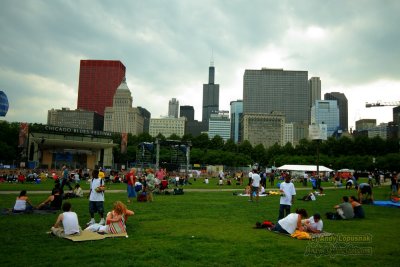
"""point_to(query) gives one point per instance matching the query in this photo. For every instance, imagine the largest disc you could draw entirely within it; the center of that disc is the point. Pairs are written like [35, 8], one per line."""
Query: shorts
[254, 189]
[96, 206]
[366, 190]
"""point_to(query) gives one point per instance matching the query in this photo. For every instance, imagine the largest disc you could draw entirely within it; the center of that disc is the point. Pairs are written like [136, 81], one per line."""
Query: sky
[168, 46]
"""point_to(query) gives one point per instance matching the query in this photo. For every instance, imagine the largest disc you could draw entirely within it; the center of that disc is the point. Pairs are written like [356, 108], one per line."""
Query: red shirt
[128, 178]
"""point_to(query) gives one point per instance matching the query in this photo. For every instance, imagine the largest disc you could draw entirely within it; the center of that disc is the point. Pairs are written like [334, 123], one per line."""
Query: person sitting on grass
[343, 211]
[313, 224]
[69, 221]
[76, 193]
[291, 222]
[53, 202]
[22, 203]
[357, 207]
[115, 221]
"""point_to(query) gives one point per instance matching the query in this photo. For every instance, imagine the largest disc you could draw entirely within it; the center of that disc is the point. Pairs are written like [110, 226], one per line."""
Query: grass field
[200, 229]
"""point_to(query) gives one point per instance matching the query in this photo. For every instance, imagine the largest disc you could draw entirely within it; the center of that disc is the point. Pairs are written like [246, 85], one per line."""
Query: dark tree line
[360, 152]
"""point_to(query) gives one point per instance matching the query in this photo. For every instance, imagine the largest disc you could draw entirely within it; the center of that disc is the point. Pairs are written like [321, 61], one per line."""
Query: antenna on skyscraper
[212, 58]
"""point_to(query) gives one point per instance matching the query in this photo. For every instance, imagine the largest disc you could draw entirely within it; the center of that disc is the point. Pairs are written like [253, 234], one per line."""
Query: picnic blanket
[311, 235]
[90, 236]
[10, 212]
[386, 203]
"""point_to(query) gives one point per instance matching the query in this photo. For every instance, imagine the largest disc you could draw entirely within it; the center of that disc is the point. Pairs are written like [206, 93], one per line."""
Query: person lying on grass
[291, 222]
[69, 221]
[115, 221]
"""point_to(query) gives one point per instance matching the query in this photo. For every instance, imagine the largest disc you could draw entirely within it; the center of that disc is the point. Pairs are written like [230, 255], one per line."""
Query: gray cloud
[167, 46]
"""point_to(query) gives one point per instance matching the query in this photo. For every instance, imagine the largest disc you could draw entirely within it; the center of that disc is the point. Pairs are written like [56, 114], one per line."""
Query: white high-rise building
[219, 124]
[288, 135]
[122, 117]
[173, 108]
[167, 126]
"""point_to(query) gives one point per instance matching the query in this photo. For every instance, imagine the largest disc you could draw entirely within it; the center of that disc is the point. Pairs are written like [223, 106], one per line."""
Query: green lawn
[199, 229]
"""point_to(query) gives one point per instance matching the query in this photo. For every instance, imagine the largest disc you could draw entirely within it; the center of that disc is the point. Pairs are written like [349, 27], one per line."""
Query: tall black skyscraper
[343, 108]
[210, 97]
[188, 112]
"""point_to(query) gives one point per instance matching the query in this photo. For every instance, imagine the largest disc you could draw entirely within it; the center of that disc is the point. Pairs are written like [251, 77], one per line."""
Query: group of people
[113, 223]
[67, 223]
[349, 208]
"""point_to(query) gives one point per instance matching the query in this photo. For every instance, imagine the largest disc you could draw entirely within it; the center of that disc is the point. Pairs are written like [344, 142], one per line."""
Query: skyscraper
[236, 118]
[219, 124]
[277, 90]
[98, 81]
[146, 118]
[188, 112]
[343, 108]
[326, 112]
[173, 108]
[210, 97]
[193, 126]
[315, 89]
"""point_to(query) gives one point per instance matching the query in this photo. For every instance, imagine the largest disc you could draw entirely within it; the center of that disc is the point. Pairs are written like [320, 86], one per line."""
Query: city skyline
[167, 48]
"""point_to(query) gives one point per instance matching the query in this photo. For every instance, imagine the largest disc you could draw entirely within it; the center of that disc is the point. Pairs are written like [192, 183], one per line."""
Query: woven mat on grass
[91, 236]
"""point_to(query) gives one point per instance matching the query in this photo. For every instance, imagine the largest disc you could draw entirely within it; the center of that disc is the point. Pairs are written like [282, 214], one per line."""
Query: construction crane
[382, 104]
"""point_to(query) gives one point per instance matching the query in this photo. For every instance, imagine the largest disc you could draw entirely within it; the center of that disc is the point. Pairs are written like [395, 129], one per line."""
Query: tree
[245, 148]
[259, 155]
[230, 146]
[174, 137]
[216, 142]
[201, 141]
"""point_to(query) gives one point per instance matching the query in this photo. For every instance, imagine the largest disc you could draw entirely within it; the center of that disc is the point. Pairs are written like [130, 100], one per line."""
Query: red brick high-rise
[98, 81]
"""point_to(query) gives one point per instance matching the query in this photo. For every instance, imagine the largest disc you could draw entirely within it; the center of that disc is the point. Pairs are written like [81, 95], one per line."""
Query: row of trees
[360, 152]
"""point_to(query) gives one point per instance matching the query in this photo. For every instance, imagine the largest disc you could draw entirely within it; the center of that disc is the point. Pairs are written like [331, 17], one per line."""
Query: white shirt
[262, 191]
[95, 196]
[250, 174]
[255, 180]
[70, 223]
[316, 225]
[289, 223]
[20, 204]
[288, 191]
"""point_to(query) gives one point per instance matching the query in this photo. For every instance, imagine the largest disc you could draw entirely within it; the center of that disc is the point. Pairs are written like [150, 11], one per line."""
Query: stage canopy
[307, 168]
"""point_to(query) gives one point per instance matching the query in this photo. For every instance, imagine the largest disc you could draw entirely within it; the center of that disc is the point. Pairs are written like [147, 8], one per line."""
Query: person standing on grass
[131, 180]
[65, 178]
[365, 189]
[255, 185]
[150, 185]
[288, 193]
[69, 221]
[96, 198]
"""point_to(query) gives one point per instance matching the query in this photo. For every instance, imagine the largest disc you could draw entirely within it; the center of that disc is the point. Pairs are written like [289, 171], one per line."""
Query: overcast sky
[167, 46]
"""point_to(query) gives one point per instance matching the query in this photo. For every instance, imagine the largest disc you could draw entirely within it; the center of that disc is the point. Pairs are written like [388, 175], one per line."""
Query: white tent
[307, 168]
